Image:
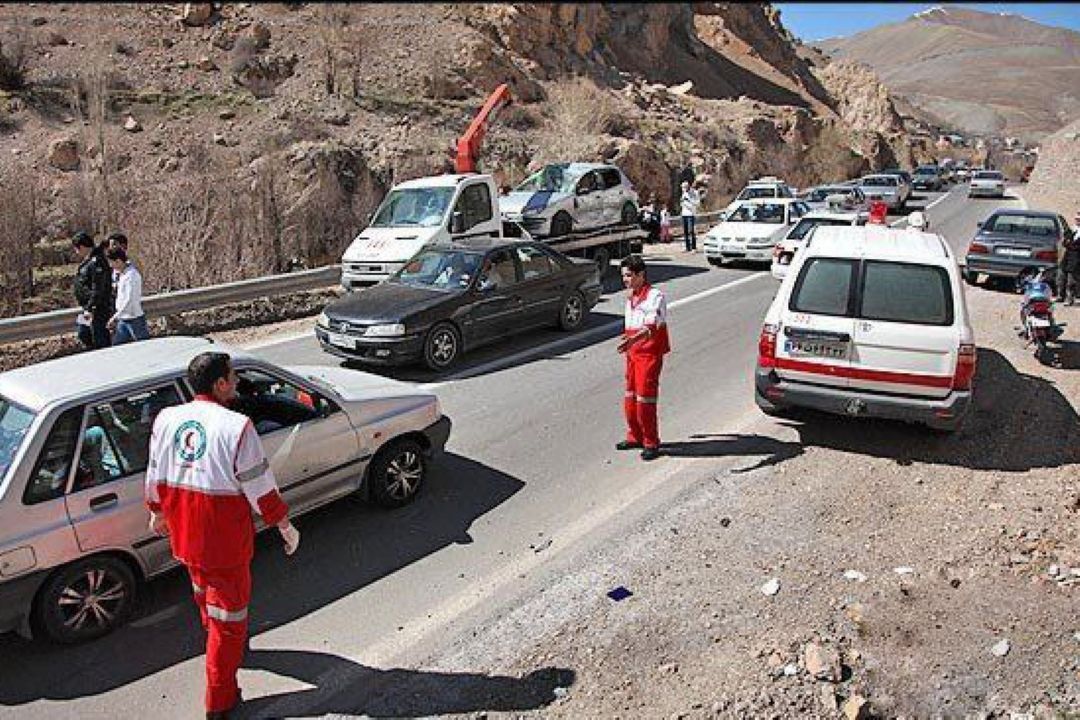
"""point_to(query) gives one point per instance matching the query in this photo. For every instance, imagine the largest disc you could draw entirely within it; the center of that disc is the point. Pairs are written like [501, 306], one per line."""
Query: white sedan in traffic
[751, 230]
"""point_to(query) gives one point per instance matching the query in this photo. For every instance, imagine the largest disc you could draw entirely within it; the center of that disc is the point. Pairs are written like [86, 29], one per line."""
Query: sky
[812, 21]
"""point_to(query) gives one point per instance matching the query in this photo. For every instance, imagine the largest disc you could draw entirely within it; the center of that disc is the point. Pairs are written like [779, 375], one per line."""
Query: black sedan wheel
[442, 347]
[572, 314]
[85, 600]
[397, 473]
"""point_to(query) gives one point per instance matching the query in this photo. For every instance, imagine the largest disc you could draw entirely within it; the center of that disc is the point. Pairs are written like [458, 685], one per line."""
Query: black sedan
[450, 299]
[1015, 244]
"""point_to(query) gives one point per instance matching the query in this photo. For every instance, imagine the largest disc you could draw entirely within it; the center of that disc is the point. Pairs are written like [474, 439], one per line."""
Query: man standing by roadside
[645, 342]
[207, 473]
[93, 291]
[690, 204]
[1068, 274]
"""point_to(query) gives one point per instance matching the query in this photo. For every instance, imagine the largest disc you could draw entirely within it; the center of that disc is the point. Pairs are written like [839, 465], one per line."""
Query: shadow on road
[346, 687]
[1065, 355]
[347, 545]
[775, 451]
[1018, 422]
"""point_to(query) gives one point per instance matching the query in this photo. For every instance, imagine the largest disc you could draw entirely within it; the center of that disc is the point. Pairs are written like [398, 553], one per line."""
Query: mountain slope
[982, 72]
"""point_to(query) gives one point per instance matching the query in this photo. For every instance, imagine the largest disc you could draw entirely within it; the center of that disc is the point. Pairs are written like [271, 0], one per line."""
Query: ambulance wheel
[397, 473]
[572, 314]
[84, 600]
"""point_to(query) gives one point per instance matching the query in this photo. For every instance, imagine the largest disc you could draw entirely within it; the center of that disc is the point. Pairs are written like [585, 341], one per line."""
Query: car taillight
[977, 249]
[1040, 307]
[1047, 255]
[965, 368]
[766, 346]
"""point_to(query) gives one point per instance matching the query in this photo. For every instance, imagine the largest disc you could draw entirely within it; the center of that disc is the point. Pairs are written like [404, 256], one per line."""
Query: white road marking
[509, 360]
[894, 223]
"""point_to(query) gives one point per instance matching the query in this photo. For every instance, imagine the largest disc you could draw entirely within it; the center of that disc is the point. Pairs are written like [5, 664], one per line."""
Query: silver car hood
[531, 202]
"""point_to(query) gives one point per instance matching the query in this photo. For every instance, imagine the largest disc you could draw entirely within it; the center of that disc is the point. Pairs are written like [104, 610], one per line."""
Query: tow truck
[458, 207]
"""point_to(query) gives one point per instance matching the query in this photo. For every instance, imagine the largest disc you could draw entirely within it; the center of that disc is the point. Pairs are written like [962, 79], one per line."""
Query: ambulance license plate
[816, 348]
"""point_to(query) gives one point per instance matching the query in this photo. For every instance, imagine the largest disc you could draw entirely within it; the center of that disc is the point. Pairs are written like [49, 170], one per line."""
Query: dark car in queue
[1014, 243]
[450, 299]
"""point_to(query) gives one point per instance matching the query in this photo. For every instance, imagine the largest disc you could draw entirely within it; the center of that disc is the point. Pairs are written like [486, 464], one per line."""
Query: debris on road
[855, 575]
[1001, 648]
[904, 570]
[771, 587]
[619, 593]
[822, 662]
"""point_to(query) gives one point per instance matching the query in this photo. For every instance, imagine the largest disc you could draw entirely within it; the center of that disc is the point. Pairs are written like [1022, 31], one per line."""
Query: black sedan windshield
[439, 269]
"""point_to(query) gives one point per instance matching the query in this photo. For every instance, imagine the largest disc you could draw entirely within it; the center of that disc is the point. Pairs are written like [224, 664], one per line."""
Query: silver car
[883, 188]
[74, 439]
[566, 197]
[987, 183]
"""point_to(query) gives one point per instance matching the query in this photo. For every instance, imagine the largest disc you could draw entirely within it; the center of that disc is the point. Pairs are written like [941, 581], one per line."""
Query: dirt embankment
[1054, 181]
[917, 575]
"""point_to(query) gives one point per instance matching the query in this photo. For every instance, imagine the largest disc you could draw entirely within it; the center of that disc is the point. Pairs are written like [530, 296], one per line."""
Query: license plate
[340, 340]
[816, 348]
[1014, 252]
[1039, 322]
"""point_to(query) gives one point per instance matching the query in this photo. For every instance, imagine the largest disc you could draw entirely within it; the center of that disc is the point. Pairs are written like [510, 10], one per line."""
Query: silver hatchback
[74, 438]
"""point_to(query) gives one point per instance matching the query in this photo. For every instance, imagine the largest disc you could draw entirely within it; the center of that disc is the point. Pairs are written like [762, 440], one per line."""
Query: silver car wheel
[404, 473]
[94, 597]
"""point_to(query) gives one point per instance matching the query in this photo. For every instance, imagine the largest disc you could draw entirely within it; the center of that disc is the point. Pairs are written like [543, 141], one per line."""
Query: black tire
[971, 278]
[629, 214]
[397, 472]
[715, 261]
[561, 224]
[442, 347]
[573, 311]
[602, 257]
[85, 600]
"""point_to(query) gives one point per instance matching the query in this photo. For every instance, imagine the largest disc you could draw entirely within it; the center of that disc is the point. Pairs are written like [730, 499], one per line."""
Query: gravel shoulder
[963, 552]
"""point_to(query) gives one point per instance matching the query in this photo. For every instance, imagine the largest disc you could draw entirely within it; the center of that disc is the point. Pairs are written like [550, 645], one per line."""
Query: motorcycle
[1037, 325]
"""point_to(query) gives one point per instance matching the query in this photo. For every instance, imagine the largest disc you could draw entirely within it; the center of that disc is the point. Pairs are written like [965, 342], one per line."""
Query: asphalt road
[530, 473]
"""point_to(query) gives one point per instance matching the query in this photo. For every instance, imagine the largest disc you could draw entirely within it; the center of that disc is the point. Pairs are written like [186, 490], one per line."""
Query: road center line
[509, 360]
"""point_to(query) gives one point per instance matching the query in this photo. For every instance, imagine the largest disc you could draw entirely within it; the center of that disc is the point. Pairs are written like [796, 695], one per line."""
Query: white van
[870, 321]
[416, 213]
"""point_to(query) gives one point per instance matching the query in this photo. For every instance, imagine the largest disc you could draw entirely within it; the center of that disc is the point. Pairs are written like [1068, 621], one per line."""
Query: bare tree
[20, 203]
[340, 48]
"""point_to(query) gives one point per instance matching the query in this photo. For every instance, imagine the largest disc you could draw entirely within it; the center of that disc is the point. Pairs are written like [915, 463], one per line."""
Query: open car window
[274, 403]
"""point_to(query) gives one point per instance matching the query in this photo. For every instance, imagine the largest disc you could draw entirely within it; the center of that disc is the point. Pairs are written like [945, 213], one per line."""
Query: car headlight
[323, 320]
[395, 330]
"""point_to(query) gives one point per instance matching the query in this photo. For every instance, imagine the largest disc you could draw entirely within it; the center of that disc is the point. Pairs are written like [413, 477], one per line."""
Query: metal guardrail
[59, 322]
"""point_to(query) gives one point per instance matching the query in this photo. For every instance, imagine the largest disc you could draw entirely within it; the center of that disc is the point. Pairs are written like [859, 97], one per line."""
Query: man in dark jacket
[93, 291]
[1068, 276]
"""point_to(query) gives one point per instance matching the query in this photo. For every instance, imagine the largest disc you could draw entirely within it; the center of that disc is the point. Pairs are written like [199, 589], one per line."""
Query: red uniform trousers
[222, 595]
[641, 397]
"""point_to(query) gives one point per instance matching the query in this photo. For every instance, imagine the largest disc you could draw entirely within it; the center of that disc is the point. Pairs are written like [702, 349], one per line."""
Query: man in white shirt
[690, 205]
[128, 323]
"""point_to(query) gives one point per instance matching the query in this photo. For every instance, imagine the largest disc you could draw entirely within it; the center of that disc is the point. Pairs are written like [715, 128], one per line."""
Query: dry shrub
[20, 204]
[14, 59]
[579, 115]
[340, 48]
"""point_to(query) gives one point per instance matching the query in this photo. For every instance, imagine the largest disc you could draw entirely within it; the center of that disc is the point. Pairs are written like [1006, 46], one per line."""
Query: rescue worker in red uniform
[644, 342]
[207, 472]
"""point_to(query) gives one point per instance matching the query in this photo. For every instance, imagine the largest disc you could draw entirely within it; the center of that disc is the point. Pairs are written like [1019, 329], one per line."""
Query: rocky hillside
[236, 139]
[981, 72]
[1053, 183]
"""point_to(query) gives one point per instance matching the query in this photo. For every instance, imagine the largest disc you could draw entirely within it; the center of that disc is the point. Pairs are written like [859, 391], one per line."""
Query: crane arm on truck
[468, 145]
